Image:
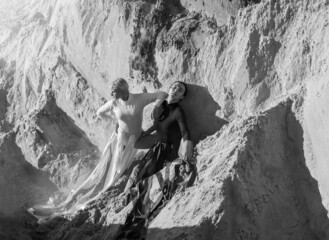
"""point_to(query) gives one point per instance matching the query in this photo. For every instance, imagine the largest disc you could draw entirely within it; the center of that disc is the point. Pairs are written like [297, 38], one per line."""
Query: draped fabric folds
[177, 173]
[116, 158]
[138, 191]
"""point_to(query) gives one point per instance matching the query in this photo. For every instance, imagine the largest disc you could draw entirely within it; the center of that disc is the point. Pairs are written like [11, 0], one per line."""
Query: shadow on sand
[200, 110]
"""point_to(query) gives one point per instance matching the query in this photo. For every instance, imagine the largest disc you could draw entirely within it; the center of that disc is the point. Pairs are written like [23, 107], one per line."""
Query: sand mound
[51, 141]
[262, 176]
[21, 184]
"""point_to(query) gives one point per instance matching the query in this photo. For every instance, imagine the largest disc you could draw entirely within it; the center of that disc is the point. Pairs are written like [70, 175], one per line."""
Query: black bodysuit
[170, 126]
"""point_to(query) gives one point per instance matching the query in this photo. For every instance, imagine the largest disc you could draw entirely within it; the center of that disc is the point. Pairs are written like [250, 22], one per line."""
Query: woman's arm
[147, 140]
[103, 111]
[187, 145]
[156, 97]
[161, 96]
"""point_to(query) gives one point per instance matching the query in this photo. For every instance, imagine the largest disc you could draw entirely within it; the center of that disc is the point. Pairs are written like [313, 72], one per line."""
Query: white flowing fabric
[116, 158]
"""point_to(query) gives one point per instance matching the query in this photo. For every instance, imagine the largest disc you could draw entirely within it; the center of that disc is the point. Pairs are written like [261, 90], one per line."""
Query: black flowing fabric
[138, 190]
[140, 183]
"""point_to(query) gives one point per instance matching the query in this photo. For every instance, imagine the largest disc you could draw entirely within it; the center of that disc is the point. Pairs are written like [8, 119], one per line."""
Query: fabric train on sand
[116, 157]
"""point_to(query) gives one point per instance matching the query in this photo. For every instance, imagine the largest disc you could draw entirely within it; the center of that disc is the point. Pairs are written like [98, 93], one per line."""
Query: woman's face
[176, 91]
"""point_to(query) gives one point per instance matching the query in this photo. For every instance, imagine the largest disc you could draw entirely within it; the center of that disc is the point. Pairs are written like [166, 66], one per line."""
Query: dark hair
[119, 83]
[185, 85]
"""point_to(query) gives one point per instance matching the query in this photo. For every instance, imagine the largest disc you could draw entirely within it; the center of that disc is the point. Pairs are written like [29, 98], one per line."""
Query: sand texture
[257, 109]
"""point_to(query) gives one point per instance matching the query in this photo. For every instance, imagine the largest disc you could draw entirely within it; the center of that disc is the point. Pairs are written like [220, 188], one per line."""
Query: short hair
[185, 85]
[119, 83]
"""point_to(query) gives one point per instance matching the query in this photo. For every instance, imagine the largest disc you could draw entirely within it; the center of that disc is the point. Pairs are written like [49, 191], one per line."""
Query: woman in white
[127, 108]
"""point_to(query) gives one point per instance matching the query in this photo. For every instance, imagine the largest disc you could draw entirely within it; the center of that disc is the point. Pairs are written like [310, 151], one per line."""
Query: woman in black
[170, 126]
